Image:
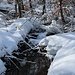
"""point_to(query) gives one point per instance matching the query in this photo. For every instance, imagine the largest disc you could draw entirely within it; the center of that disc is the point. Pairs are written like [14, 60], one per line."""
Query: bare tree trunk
[30, 3]
[18, 2]
[16, 8]
[22, 6]
[62, 16]
[19, 9]
[44, 7]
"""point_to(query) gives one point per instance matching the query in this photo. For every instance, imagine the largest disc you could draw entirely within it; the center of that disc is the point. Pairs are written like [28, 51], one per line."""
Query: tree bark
[18, 3]
[30, 3]
[16, 8]
[19, 9]
[44, 7]
[62, 16]
[22, 6]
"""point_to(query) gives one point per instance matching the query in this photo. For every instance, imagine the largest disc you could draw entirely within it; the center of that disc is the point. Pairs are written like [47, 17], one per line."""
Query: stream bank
[27, 60]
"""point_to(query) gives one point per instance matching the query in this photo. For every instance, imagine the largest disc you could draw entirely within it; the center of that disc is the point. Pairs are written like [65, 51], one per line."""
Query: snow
[52, 28]
[39, 9]
[2, 19]
[22, 26]
[10, 37]
[51, 43]
[63, 45]
[35, 21]
[2, 67]
[38, 39]
[2, 23]
[5, 6]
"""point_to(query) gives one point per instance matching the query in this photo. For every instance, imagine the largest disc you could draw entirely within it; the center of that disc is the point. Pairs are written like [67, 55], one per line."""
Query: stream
[27, 61]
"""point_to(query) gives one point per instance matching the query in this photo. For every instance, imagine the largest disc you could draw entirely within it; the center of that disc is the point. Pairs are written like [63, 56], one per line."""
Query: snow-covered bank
[64, 45]
[2, 67]
[11, 35]
[5, 6]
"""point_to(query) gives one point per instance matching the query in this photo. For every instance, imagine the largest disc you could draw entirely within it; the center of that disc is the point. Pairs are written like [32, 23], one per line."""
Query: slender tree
[16, 8]
[19, 8]
[44, 7]
[22, 6]
[18, 3]
[30, 4]
[61, 10]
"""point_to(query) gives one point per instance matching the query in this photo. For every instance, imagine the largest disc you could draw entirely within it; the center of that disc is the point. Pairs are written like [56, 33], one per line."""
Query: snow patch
[11, 35]
[63, 47]
[2, 67]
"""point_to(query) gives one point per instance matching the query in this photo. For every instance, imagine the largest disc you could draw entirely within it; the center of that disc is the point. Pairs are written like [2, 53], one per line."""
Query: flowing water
[27, 61]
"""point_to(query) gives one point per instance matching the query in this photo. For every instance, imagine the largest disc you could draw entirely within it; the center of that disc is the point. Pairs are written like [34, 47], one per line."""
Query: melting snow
[10, 36]
[2, 67]
[63, 45]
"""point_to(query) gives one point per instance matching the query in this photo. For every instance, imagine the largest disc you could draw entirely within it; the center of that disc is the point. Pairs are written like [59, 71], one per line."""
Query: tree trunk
[16, 8]
[62, 17]
[19, 9]
[44, 7]
[30, 3]
[22, 6]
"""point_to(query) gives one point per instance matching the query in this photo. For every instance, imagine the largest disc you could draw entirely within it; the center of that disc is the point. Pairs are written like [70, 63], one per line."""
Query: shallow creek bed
[26, 60]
